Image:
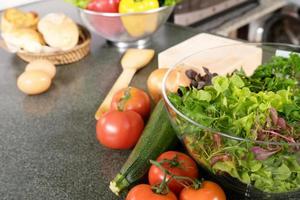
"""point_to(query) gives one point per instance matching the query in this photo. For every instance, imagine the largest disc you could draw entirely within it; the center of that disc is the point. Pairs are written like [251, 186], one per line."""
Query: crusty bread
[25, 39]
[59, 31]
[13, 19]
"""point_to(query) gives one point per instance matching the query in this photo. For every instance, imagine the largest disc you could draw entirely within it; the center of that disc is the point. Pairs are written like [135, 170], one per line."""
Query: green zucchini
[158, 136]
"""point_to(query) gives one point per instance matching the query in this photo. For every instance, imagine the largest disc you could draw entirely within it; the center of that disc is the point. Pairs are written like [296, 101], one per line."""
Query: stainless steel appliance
[191, 12]
[282, 26]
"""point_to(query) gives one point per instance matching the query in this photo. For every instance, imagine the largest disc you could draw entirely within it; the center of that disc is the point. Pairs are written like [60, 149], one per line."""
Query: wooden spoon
[3, 45]
[133, 60]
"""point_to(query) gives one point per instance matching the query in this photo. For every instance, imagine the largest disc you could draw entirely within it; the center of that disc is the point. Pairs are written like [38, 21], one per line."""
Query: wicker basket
[63, 57]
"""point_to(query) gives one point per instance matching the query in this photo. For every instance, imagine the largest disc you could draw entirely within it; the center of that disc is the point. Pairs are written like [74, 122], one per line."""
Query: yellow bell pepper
[139, 25]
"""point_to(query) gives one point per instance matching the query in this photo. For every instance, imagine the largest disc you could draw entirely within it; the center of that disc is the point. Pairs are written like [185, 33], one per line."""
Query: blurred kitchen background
[252, 20]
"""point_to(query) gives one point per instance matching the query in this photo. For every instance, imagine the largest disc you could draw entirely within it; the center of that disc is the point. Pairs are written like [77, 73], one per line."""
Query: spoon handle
[122, 82]
[3, 45]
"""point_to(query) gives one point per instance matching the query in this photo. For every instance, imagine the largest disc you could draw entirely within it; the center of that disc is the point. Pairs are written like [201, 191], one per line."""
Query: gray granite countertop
[48, 148]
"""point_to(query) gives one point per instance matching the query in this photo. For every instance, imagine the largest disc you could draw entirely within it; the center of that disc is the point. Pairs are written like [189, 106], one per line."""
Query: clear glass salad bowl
[241, 126]
[129, 29]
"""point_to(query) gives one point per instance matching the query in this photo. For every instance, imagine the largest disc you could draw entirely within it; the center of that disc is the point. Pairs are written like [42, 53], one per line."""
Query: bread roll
[24, 39]
[13, 19]
[59, 31]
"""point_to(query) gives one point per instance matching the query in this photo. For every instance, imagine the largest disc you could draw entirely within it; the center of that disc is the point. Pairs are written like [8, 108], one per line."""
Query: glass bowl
[239, 136]
[129, 29]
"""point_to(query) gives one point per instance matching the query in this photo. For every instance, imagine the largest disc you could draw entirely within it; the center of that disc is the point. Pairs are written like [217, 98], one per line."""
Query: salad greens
[79, 3]
[279, 73]
[169, 2]
[262, 107]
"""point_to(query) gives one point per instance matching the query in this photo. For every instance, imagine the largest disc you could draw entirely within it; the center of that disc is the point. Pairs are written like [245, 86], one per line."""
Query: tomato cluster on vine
[175, 176]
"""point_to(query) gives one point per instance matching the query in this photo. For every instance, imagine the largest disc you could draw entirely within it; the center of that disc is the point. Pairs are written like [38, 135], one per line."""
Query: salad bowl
[239, 118]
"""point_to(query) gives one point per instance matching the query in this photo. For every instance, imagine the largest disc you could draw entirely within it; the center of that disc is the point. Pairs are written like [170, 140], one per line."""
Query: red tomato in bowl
[108, 27]
[132, 99]
[119, 130]
[208, 191]
[184, 166]
[111, 6]
[144, 192]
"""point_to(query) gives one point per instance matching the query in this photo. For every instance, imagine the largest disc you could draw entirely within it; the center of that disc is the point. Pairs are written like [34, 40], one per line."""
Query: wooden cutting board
[233, 55]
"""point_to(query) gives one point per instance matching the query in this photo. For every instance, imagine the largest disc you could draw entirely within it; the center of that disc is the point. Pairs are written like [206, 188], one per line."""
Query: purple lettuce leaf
[263, 154]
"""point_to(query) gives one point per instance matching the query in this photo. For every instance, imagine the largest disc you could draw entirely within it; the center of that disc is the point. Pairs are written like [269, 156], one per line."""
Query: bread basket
[63, 57]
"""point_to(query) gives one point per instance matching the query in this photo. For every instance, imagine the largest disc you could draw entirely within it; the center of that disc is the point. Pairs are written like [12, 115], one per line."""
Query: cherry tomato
[144, 192]
[183, 166]
[132, 99]
[111, 6]
[208, 191]
[119, 130]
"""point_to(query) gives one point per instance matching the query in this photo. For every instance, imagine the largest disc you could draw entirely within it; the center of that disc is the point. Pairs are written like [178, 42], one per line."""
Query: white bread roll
[59, 31]
[24, 39]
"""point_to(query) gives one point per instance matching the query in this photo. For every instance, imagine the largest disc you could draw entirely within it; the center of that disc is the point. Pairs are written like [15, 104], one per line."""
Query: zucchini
[158, 136]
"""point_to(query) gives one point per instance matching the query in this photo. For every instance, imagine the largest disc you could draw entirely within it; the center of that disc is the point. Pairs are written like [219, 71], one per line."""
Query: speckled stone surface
[48, 148]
